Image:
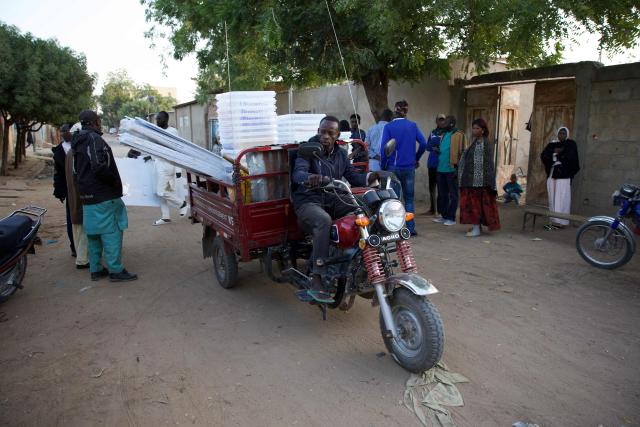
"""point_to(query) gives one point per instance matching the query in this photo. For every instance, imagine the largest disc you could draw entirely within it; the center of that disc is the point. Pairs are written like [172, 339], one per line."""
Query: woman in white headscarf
[560, 158]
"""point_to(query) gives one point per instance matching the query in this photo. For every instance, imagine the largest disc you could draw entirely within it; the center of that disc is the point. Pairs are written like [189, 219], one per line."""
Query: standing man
[356, 132]
[451, 146]
[104, 215]
[59, 177]
[433, 144]
[166, 175]
[29, 140]
[375, 138]
[403, 160]
[358, 153]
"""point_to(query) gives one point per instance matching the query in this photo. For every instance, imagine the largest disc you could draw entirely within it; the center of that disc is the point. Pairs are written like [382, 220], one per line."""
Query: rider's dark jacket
[335, 165]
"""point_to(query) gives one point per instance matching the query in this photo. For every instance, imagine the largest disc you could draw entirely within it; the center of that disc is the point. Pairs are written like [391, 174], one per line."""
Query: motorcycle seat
[13, 230]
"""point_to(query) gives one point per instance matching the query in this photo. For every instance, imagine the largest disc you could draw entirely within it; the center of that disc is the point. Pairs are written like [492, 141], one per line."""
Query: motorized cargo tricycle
[371, 255]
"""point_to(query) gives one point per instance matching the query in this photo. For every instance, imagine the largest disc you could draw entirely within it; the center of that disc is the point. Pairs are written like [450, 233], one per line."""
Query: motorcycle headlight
[391, 215]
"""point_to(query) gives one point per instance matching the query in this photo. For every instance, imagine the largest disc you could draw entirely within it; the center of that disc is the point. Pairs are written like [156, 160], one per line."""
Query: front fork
[376, 276]
[614, 226]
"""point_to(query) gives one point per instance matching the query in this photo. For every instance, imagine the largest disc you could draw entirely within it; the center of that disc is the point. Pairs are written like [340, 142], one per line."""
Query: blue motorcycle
[607, 242]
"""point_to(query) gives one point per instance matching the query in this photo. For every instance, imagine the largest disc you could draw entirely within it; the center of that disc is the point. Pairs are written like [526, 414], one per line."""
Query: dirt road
[542, 336]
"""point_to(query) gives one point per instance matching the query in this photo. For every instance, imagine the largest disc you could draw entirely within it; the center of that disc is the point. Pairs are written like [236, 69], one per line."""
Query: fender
[621, 226]
[414, 282]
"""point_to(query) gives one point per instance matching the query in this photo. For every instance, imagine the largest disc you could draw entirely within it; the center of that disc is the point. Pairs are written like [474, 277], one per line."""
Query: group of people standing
[453, 167]
[462, 172]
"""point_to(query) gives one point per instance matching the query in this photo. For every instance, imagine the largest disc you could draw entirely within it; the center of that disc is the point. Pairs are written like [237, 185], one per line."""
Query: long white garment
[82, 244]
[166, 183]
[559, 198]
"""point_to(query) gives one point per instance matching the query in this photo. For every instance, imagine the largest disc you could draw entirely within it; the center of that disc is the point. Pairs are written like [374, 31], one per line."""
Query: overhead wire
[344, 67]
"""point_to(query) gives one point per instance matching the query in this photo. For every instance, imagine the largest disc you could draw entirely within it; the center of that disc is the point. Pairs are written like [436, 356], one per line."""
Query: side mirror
[390, 147]
[309, 150]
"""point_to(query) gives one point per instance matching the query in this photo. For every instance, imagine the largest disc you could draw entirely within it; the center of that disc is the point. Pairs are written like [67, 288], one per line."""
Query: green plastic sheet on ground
[428, 394]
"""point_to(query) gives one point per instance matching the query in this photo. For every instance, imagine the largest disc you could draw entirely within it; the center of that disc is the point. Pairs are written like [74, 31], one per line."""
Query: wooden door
[507, 141]
[482, 104]
[553, 106]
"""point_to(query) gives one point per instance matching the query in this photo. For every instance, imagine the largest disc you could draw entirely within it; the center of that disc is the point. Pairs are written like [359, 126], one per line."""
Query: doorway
[518, 143]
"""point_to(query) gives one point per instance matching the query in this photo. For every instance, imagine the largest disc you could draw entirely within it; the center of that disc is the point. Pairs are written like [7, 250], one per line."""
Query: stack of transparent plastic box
[247, 119]
[296, 128]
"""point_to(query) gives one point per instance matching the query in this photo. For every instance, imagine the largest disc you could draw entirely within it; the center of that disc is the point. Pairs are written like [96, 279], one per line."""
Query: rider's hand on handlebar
[315, 180]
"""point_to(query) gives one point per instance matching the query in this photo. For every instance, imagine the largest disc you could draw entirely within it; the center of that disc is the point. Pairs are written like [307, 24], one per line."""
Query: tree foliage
[293, 41]
[42, 82]
[121, 96]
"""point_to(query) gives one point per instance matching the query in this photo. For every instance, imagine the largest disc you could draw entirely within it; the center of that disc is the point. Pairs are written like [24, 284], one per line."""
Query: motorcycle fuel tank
[344, 232]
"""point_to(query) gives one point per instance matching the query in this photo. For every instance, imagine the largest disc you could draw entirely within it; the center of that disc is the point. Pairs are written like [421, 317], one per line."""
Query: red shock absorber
[372, 262]
[405, 257]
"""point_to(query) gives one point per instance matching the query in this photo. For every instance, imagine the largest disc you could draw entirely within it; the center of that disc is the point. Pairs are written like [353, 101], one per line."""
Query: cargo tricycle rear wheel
[225, 265]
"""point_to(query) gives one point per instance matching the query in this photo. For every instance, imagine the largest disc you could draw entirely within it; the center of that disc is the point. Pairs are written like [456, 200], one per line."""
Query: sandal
[321, 296]
[303, 295]
[550, 227]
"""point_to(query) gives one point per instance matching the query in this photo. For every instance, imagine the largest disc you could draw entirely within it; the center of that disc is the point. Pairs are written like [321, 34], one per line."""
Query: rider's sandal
[303, 295]
[321, 296]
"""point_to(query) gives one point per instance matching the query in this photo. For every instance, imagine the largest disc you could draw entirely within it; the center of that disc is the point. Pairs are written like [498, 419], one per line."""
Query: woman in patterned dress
[477, 178]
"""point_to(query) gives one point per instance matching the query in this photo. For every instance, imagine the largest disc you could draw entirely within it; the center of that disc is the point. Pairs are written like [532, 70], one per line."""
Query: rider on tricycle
[317, 210]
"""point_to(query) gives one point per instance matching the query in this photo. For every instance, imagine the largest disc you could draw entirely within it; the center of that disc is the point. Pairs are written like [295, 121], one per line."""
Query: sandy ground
[542, 336]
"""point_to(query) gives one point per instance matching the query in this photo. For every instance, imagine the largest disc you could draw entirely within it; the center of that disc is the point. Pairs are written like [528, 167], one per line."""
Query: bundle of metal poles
[149, 138]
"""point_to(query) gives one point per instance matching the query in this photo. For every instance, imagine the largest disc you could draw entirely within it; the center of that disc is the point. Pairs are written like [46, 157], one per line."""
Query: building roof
[185, 104]
[533, 74]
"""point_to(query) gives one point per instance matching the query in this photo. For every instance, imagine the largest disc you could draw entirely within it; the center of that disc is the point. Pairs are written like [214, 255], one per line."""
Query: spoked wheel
[600, 250]
[225, 265]
[420, 340]
[10, 280]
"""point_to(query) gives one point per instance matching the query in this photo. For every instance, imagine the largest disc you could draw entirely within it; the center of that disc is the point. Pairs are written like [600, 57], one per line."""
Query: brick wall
[612, 154]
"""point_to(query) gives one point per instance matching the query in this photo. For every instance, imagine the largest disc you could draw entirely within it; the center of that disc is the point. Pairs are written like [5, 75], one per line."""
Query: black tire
[418, 312]
[225, 265]
[617, 244]
[19, 269]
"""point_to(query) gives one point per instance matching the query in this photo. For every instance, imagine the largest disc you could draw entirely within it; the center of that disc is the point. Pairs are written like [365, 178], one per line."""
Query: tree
[121, 97]
[42, 83]
[293, 42]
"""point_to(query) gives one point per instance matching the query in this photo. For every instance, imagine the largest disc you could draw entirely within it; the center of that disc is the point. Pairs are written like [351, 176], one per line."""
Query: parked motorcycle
[607, 242]
[18, 233]
[361, 263]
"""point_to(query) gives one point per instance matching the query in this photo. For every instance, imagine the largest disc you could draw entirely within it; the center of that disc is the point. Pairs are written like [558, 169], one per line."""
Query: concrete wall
[332, 100]
[191, 122]
[612, 153]
[426, 100]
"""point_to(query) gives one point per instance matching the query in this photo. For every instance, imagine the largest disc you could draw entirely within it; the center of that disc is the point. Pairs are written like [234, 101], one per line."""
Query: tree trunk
[5, 146]
[19, 144]
[3, 138]
[24, 149]
[376, 87]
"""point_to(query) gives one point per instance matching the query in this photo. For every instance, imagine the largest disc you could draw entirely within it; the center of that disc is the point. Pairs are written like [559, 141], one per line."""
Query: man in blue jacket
[404, 159]
[433, 146]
